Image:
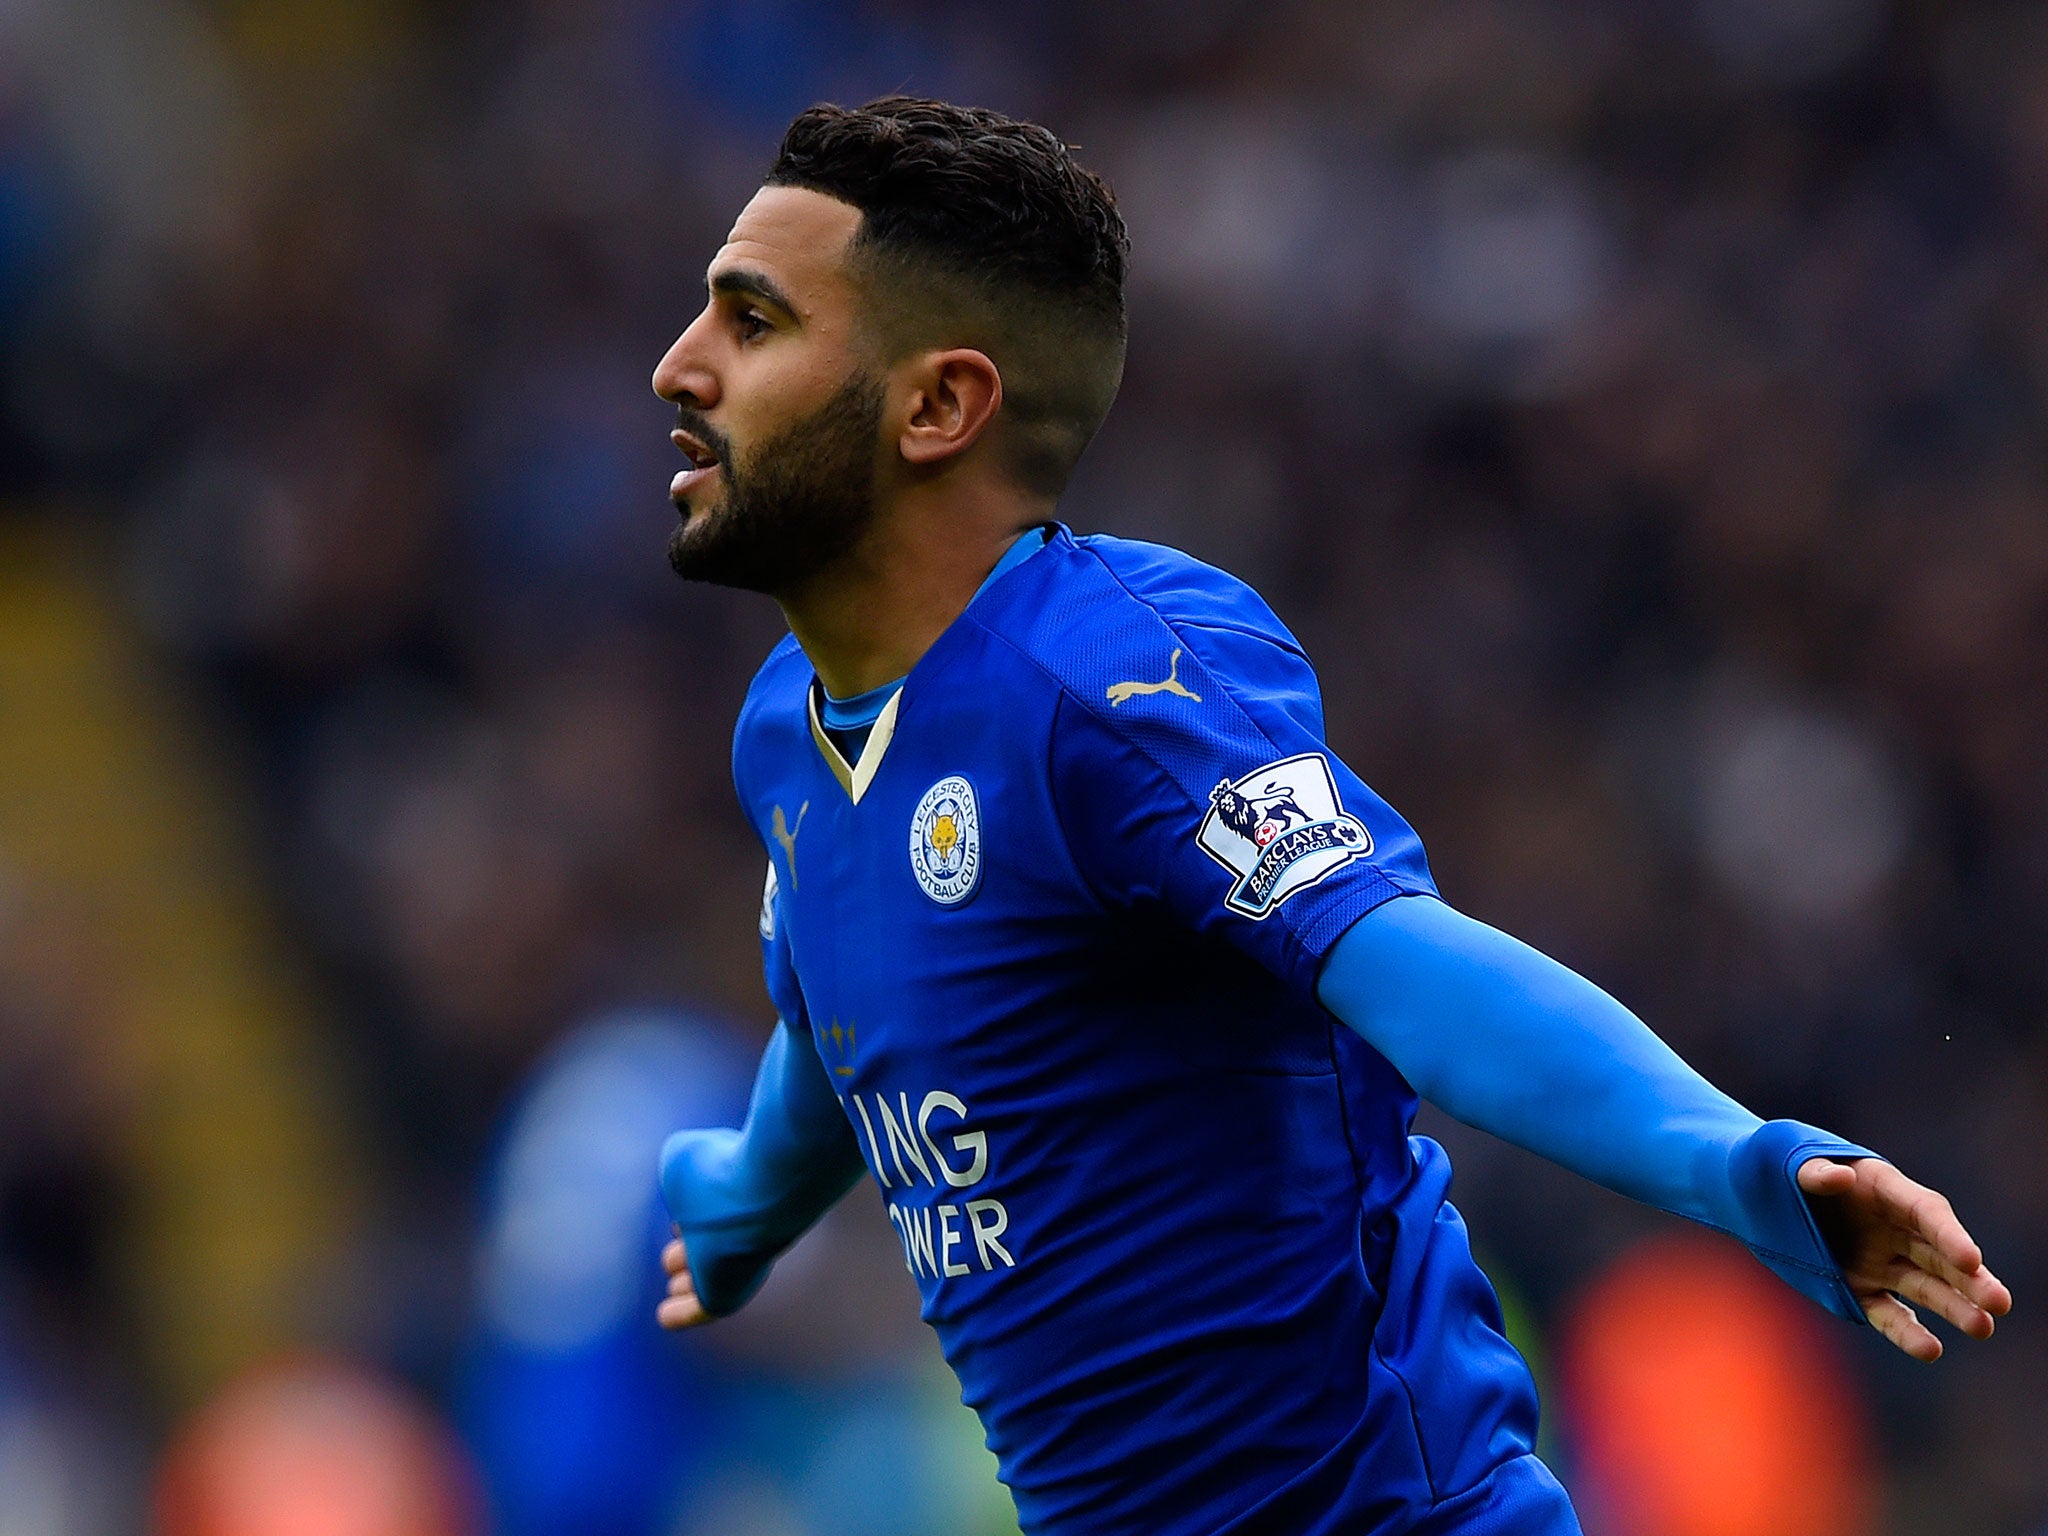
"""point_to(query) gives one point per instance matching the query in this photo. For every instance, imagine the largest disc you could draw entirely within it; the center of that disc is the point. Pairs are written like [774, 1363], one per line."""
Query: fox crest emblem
[945, 841]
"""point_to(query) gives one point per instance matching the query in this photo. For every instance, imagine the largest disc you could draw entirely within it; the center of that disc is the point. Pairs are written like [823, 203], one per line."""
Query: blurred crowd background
[1637, 407]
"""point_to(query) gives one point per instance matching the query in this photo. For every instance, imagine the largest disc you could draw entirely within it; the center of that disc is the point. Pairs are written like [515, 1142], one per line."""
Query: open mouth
[703, 464]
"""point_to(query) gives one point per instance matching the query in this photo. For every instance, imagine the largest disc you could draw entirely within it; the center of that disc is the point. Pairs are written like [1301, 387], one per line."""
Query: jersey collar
[855, 777]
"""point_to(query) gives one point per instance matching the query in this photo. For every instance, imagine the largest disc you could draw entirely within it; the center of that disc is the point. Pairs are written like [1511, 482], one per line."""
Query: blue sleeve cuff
[740, 1197]
[1776, 1222]
[725, 1239]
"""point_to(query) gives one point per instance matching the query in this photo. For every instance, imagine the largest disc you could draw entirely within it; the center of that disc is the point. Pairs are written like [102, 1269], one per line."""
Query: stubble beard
[801, 501]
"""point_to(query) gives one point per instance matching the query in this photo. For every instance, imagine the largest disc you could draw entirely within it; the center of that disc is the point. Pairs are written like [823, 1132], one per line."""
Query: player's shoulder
[773, 718]
[1116, 619]
[781, 680]
[1179, 588]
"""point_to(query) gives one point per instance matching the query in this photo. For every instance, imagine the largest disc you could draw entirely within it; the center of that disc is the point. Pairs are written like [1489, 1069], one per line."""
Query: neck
[866, 619]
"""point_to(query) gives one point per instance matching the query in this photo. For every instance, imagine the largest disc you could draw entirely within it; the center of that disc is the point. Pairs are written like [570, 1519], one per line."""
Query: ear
[956, 395]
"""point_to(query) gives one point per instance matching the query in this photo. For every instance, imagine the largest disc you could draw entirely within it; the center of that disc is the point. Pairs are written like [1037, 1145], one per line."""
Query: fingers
[1982, 1288]
[680, 1308]
[1939, 1243]
[1940, 1298]
[1897, 1322]
[679, 1312]
[1825, 1176]
[1904, 1238]
[1926, 1212]
[1990, 1293]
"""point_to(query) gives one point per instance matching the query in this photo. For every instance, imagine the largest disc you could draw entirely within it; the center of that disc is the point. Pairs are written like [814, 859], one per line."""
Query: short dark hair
[981, 230]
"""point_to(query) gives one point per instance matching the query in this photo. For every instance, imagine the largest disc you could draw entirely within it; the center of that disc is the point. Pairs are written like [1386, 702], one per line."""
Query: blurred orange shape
[314, 1447]
[1703, 1398]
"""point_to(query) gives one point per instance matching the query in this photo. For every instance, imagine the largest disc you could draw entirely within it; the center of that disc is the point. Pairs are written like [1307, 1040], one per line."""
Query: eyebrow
[742, 280]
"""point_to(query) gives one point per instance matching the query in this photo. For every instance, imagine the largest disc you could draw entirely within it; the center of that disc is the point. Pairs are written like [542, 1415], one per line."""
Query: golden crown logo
[836, 1045]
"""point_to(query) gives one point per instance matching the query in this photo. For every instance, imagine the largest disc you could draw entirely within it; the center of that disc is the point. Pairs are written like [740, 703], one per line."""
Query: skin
[1900, 1242]
[680, 1308]
[1897, 1242]
[779, 335]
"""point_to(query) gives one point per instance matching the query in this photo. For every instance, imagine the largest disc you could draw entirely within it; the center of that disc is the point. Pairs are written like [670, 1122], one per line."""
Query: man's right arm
[1507, 1039]
[740, 1197]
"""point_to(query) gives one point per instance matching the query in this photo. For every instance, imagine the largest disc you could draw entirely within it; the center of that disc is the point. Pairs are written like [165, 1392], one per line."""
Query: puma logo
[785, 834]
[1119, 692]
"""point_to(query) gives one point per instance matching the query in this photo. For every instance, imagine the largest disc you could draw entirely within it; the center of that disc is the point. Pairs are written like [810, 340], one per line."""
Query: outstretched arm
[1508, 1040]
[739, 1198]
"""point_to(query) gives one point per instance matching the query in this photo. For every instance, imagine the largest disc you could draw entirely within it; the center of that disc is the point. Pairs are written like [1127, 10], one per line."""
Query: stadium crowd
[1639, 411]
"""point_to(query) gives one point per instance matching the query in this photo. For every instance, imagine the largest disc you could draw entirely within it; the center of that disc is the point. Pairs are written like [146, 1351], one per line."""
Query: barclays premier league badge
[1280, 829]
[945, 841]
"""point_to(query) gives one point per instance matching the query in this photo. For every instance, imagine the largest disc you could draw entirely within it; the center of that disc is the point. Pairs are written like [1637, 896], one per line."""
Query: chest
[937, 906]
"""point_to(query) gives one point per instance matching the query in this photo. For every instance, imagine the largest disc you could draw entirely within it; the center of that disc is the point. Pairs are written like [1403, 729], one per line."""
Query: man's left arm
[1508, 1040]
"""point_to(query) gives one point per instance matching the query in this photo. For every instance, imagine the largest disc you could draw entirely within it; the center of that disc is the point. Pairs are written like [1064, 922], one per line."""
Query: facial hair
[800, 501]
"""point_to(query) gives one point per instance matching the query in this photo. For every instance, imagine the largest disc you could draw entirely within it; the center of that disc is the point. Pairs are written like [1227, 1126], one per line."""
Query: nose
[684, 376]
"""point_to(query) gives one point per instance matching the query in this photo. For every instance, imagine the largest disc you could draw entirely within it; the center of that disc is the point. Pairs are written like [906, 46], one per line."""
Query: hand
[1900, 1242]
[681, 1308]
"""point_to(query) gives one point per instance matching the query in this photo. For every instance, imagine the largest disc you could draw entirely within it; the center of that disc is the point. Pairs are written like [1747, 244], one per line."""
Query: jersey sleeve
[1222, 803]
[778, 968]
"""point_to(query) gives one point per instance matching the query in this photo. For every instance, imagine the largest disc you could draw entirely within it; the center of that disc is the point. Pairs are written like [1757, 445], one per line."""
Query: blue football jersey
[1056, 936]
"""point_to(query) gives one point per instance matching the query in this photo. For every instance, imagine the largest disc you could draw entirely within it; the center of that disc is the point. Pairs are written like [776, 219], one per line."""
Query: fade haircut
[978, 230]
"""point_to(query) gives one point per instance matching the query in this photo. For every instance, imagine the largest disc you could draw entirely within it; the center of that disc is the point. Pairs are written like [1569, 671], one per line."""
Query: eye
[751, 324]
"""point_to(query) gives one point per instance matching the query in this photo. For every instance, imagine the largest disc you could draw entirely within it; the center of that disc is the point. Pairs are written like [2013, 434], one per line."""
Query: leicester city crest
[945, 841]
[1280, 829]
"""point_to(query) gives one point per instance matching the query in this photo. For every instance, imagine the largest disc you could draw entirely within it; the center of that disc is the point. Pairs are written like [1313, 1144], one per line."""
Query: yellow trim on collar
[854, 778]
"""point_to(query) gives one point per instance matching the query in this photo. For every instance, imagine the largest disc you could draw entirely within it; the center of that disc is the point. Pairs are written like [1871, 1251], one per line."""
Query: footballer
[1086, 948]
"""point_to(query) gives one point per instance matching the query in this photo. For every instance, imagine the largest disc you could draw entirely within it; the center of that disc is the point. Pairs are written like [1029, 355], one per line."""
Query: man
[1089, 951]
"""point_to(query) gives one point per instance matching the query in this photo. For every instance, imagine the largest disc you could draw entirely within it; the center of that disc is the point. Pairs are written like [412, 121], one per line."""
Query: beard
[800, 501]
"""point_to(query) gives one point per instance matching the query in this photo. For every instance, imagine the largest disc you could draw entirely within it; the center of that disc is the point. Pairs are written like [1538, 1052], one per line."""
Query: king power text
[924, 1154]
